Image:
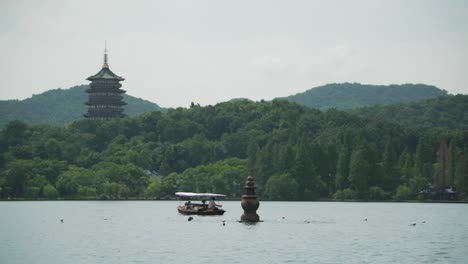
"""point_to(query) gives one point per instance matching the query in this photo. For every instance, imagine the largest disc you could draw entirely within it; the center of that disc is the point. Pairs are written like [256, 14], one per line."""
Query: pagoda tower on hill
[105, 96]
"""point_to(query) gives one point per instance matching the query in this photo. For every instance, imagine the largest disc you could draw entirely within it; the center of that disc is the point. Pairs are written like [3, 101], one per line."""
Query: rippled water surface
[310, 232]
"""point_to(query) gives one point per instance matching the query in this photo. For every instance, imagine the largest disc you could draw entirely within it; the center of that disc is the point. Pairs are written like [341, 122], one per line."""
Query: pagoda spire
[105, 65]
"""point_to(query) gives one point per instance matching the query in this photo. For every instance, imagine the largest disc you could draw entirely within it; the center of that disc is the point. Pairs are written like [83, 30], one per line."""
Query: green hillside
[293, 152]
[354, 95]
[61, 106]
[445, 112]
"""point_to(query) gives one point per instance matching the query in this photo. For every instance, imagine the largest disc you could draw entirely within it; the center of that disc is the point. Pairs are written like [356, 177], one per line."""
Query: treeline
[294, 153]
[445, 112]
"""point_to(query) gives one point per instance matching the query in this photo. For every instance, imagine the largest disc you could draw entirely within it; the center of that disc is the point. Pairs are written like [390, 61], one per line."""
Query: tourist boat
[190, 208]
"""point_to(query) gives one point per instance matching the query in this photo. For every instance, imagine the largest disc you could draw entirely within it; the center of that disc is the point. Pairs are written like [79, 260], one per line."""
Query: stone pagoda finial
[250, 202]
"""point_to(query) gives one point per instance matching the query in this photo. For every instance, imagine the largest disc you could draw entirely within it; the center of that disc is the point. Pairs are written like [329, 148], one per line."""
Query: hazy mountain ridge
[355, 95]
[61, 106]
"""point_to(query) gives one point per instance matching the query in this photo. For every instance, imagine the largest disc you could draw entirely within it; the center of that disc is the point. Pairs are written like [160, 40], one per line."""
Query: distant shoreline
[230, 200]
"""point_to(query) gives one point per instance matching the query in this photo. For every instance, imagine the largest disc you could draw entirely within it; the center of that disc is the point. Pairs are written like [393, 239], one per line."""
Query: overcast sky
[177, 52]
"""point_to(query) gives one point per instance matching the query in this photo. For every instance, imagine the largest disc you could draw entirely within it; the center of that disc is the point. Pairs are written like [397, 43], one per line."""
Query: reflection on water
[291, 232]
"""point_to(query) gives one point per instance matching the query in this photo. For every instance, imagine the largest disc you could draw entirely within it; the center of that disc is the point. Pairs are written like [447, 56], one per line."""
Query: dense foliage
[354, 95]
[59, 107]
[294, 153]
[445, 112]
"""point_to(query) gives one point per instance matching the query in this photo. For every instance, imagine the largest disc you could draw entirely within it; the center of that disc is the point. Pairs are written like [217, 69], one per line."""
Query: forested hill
[61, 106]
[354, 95]
[445, 112]
[294, 153]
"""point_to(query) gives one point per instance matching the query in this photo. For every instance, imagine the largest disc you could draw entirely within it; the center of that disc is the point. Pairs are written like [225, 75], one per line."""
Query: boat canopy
[192, 194]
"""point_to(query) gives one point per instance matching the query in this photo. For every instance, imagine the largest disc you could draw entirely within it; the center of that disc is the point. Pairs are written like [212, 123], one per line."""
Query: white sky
[177, 52]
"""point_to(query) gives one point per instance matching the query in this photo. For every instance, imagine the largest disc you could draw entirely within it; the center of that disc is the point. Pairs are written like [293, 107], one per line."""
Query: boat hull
[184, 211]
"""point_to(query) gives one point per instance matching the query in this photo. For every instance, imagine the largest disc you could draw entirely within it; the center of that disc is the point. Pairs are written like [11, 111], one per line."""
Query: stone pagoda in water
[105, 96]
[250, 202]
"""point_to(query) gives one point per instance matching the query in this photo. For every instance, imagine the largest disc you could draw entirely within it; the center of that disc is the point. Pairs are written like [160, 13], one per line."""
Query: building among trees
[105, 96]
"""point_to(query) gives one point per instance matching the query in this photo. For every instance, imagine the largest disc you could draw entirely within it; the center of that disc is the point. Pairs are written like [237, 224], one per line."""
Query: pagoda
[105, 96]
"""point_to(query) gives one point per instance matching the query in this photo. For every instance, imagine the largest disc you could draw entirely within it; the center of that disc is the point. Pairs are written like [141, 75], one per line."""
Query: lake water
[311, 232]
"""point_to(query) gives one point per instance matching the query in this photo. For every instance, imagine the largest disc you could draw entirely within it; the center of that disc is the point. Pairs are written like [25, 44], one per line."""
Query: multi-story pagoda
[105, 95]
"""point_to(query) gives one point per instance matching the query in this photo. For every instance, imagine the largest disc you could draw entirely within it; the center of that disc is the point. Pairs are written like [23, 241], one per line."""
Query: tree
[424, 157]
[153, 190]
[390, 171]
[110, 190]
[14, 133]
[70, 181]
[67, 186]
[134, 177]
[264, 165]
[406, 165]
[342, 169]
[461, 177]
[236, 144]
[345, 194]
[53, 149]
[50, 192]
[403, 192]
[17, 173]
[453, 152]
[359, 169]
[305, 171]
[442, 167]
[377, 193]
[85, 192]
[253, 151]
[34, 186]
[32, 192]
[419, 185]
[286, 158]
[281, 188]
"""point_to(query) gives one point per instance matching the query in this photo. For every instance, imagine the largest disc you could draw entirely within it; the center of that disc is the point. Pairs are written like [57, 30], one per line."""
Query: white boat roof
[192, 194]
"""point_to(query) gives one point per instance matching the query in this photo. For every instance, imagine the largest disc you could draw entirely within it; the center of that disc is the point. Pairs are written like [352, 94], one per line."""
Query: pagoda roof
[106, 74]
[105, 89]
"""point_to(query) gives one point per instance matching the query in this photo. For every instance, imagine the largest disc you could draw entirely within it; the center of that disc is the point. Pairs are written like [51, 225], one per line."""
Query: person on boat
[202, 206]
[189, 205]
[212, 204]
